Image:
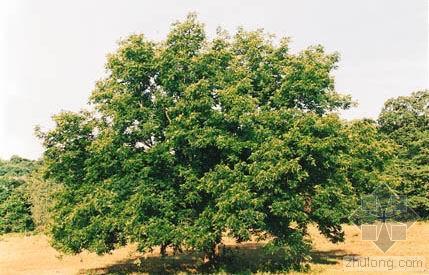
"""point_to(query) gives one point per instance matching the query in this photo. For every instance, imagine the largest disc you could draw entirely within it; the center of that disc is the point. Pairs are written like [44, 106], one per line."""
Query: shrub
[15, 213]
[15, 207]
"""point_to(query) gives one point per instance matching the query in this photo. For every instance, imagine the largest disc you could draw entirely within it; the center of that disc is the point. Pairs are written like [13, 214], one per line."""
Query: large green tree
[193, 138]
[406, 120]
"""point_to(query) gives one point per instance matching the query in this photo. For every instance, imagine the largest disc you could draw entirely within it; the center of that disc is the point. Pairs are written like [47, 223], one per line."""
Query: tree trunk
[163, 249]
[211, 255]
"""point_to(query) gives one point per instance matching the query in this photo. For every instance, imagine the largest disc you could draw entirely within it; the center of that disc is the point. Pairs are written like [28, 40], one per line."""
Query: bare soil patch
[32, 254]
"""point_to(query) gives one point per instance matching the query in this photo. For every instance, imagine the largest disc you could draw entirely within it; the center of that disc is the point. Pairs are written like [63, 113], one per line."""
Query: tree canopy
[406, 120]
[192, 138]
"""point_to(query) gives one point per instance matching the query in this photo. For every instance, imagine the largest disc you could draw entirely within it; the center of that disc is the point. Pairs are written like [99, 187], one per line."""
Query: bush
[16, 167]
[15, 207]
[15, 213]
[40, 196]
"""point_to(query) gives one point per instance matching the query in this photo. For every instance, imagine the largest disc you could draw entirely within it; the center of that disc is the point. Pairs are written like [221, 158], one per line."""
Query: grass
[32, 254]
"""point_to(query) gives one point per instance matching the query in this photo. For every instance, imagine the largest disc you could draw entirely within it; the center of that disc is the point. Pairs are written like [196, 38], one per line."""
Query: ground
[32, 254]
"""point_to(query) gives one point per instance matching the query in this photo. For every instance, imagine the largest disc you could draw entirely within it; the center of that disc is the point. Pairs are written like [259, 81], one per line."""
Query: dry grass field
[32, 255]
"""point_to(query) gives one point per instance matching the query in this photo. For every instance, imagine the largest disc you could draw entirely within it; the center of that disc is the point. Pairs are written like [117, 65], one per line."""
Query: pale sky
[52, 52]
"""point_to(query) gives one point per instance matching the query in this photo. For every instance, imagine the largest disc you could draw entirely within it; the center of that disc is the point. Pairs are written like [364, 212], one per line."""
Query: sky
[52, 52]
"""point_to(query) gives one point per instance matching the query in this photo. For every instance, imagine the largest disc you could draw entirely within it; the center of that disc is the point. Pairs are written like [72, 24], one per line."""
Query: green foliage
[40, 195]
[192, 139]
[406, 120]
[16, 167]
[370, 152]
[15, 213]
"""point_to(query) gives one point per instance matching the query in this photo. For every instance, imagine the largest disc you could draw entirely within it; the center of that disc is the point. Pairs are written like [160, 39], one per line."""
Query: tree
[191, 139]
[15, 208]
[406, 120]
[16, 167]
